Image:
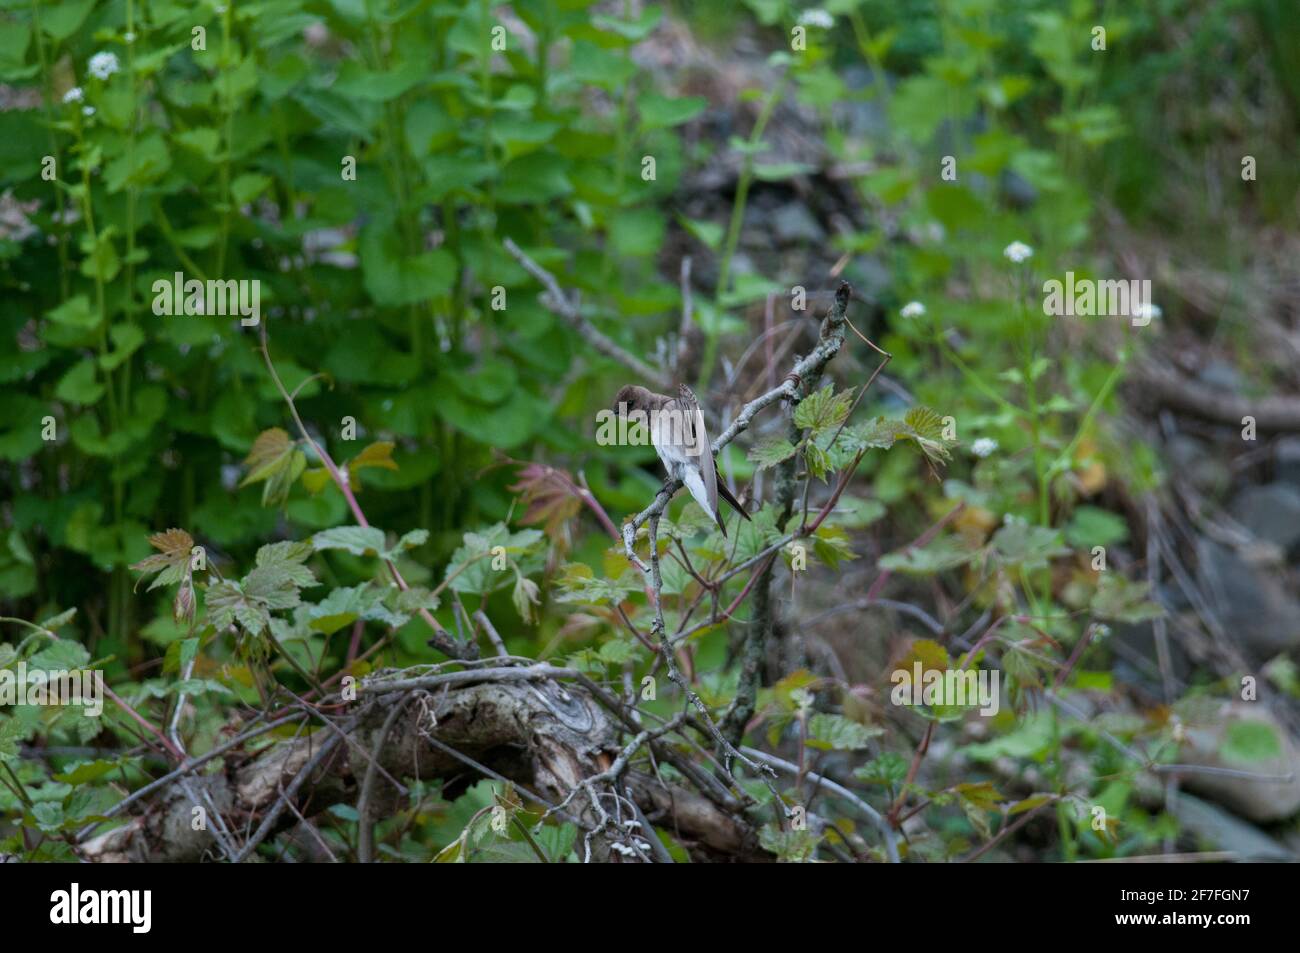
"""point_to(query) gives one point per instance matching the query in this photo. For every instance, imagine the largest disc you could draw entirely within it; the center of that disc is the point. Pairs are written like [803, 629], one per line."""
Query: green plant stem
[737, 220]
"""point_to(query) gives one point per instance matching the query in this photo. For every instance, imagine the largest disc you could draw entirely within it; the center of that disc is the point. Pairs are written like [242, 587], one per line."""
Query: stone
[1194, 461]
[1286, 456]
[1256, 800]
[1271, 512]
[1221, 376]
[1253, 604]
[1221, 831]
[793, 224]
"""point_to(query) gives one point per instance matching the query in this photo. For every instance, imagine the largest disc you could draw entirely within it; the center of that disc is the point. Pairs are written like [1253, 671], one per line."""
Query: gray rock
[1195, 462]
[1252, 602]
[870, 276]
[1138, 659]
[865, 117]
[794, 224]
[1287, 460]
[1254, 798]
[1224, 832]
[1017, 190]
[1271, 513]
[1220, 375]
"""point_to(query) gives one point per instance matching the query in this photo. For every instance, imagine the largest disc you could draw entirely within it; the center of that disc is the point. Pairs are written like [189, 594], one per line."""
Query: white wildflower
[817, 18]
[1018, 252]
[103, 64]
[983, 446]
[88, 110]
[74, 95]
[913, 309]
[1147, 310]
[128, 36]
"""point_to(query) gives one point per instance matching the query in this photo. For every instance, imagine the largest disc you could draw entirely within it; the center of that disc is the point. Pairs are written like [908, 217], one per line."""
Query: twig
[558, 302]
[365, 826]
[887, 834]
[191, 765]
[144, 723]
[378, 686]
[288, 793]
[493, 635]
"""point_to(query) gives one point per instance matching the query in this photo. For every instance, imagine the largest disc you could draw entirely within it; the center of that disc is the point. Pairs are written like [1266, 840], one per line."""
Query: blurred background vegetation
[610, 141]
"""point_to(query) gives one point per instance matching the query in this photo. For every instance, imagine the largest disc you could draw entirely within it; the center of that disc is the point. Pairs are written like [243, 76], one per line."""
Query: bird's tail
[727, 495]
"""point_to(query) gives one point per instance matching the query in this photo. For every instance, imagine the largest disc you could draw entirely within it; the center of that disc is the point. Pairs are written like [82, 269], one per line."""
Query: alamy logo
[180, 296]
[953, 688]
[670, 426]
[22, 686]
[1084, 297]
[74, 906]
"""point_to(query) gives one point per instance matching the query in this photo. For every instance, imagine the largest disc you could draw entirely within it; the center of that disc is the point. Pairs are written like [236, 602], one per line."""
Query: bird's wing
[701, 454]
[696, 482]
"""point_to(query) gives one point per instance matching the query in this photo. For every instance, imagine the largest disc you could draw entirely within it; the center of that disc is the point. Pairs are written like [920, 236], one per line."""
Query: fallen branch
[1168, 387]
[547, 740]
[558, 302]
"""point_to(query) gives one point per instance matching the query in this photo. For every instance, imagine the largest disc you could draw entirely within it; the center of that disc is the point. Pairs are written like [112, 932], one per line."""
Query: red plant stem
[1075, 656]
[341, 482]
[921, 749]
[754, 576]
[921, 540]
[144, 723]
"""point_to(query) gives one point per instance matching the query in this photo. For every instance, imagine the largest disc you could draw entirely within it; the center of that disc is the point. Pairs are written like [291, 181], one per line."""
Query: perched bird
[677, 431]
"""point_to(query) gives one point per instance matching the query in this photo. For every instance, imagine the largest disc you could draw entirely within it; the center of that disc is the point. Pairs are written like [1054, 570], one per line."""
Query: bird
[677, 431]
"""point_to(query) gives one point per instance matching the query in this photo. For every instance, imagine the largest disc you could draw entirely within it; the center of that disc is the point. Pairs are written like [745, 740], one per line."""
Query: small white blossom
[817, 18]
[913, 309]
[103, 64]
[74, 95]
[1147, 310]
[88, 110]
[983, 446]
[128, 36]
[1018, 252]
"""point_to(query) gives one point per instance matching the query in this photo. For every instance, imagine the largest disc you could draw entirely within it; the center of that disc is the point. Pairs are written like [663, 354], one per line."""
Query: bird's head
[629, 398]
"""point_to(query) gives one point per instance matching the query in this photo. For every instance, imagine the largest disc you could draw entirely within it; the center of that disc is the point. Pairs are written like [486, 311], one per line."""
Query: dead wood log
[547, 738]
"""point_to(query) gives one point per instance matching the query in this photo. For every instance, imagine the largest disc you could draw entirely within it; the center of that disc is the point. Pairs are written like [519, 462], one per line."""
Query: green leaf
[358, 540]
[578, 583]
[835, 732]
[662, 112]
[479, 575]
[770, 452]
[939, 555]
[778, 171]
[75, 312]
[62, 20]
[1121, 600]
[790, 846]
[1250, 741]
[80, 772]
[832, 546]
[78, 385]
[823, 409]
[394, 278]
[10, 735]
[1027, 546]
[1092, 526]
[127, 339]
